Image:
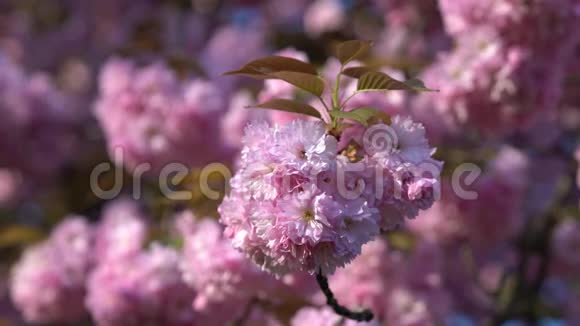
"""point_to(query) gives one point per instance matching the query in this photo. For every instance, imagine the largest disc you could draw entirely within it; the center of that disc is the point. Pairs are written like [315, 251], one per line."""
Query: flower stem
[364, 315]
[335, 103]
[348, 99]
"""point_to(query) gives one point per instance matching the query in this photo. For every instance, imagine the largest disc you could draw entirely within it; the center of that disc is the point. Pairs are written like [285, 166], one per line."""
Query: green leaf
[361, 115]
[418, 85]
[288, 106]
[310, 83]
[262, 67]
[352, 50]
[356, 72]
[378, 81]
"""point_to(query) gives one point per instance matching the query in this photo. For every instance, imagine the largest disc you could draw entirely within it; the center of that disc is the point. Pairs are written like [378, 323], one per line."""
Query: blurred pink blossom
[144, 289]
[48, 283]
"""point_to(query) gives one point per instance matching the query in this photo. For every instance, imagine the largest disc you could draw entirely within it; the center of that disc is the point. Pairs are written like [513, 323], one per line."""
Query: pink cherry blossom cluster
[225, 279]
[348, 188]
[102, 270]
[53, 279]
[48, 283]
[144, 288]
[506, 70]
[218, 272]
[109, 272]
[291, 206]
[485, 73]
[155, 118]
[122, 231]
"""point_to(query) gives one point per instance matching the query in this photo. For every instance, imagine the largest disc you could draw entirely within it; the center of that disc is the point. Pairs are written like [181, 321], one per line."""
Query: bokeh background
[79, 79]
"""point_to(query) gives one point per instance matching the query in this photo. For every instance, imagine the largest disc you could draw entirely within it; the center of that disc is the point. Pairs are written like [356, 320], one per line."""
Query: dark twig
[364, 315]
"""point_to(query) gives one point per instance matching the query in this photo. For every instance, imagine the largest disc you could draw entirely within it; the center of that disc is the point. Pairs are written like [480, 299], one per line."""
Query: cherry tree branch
[364, 315]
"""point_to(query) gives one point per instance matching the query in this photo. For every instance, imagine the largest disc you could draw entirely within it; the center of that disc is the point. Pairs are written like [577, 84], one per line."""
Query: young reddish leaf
[361, 115]
[288, 106]
[378, 81]
[356, 72]
[352, 50]
[260, 68]
[310, 83]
